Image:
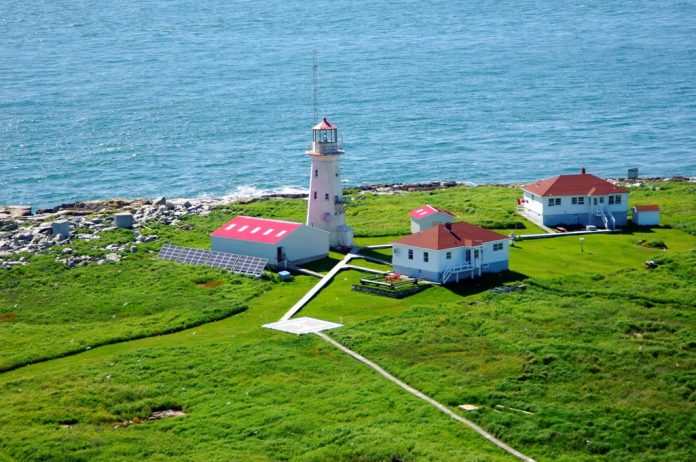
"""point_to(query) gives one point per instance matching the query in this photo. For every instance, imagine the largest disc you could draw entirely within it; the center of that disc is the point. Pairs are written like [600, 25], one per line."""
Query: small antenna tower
[315, 87]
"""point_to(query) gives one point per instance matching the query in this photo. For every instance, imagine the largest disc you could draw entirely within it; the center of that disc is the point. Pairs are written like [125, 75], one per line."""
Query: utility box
[61, 227]
[123, 220]
[633, 173]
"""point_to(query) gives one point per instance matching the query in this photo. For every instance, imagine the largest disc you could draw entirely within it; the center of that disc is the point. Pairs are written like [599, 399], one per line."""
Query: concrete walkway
[535, 220]
[441, 407]
[320, 285]
[297, 269]
[523, 237]
[365, 270]
[379, 246]
[373, 259]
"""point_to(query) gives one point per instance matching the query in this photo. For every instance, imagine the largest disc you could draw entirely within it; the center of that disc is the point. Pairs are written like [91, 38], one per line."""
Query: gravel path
[429, 400]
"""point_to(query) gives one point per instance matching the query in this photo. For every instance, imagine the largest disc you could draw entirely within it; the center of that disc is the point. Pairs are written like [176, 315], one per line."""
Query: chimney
[582, 170]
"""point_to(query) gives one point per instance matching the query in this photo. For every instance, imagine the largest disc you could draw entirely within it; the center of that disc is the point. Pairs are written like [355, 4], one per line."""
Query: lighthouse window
[326, 196]
[316, 173]
[315, 194]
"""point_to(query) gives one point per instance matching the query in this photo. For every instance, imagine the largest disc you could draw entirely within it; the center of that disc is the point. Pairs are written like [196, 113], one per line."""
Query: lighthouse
[326, 209]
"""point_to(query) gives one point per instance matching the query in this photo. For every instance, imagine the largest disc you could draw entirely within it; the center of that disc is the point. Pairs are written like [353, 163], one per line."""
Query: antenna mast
[315, 87]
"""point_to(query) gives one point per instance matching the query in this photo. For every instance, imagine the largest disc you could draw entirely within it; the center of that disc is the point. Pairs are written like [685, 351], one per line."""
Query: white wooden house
[646, 215]
[576, 200]
[451, 252]
[427, 216]
[281, 242]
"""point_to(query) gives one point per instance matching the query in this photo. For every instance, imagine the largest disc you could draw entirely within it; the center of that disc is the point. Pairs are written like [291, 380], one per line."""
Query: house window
[611, 200]
[425, 257]
[554, 201]
[326, 196]
[316, 173]
[574, 201]
[497, 246]
[476, 253]
[581, 201]
[410, 254]
[315, 194]
[578, 200]
[601, 200]
[448, 255]
[618, 199]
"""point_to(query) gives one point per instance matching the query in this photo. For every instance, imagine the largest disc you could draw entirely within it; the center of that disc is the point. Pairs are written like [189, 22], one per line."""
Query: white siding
[648, 218]
[304, 244]
[421, 224]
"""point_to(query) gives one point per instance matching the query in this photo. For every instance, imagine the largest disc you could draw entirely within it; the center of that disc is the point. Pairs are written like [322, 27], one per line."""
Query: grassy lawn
[598, 349]
[249, 394]
[597, 360]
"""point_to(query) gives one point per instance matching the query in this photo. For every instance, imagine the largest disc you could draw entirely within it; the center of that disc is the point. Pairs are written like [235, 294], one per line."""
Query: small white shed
[281, 242]
[428, 216]
[646, 215]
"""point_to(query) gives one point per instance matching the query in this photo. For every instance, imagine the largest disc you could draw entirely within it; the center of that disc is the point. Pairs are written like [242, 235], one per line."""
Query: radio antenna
[315, 87]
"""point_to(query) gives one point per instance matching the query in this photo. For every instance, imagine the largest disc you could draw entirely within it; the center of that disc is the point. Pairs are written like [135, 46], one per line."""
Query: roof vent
[582, 170]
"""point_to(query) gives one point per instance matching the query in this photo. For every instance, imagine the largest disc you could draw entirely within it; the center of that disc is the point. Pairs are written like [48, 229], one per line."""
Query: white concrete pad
[302, 325]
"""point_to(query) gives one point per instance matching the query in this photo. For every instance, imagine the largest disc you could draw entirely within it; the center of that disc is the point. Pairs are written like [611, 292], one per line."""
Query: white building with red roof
[576, 200]
[450, 252]
[646, 215]
[281, 242]
[428, 216]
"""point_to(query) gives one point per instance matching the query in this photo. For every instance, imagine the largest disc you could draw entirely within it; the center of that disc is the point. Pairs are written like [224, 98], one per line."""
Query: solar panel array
[242, 264]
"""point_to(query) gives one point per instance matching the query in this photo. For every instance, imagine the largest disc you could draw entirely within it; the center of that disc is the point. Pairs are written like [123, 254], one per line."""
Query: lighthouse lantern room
[326, 209]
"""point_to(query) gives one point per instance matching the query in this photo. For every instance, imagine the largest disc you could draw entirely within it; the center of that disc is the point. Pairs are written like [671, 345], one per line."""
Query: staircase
[454, 270]
[607, 218]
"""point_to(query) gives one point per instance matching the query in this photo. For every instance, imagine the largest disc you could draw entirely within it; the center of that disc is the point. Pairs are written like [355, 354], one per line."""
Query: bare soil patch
[156, 415]
[7, 317]
[211, 284]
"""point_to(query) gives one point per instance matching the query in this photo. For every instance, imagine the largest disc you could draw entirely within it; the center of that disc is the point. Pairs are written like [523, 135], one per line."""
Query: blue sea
[137, 98]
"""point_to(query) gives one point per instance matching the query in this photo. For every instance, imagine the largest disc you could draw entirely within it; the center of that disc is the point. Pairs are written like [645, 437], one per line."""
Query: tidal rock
[160, 201]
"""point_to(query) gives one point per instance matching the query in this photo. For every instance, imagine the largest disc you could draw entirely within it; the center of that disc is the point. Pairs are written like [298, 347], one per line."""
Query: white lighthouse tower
[326, 206]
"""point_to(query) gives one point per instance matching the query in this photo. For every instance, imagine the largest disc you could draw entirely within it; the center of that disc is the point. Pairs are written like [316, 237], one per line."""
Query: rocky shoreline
[22, 231]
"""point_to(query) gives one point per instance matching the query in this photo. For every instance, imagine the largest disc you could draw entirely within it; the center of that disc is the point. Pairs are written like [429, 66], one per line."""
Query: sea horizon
[199, 99]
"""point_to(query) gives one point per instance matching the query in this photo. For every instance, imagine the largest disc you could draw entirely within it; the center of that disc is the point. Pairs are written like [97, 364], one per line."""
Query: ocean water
[187, 98]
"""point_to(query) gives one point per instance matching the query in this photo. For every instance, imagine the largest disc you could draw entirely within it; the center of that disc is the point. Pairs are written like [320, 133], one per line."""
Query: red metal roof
[427, 210]
[256, 229]
[647, 208]
[583, 184]
[324, 125]
[448, 236]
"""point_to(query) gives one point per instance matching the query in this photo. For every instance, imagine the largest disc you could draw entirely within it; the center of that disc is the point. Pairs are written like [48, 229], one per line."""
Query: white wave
[250, 192]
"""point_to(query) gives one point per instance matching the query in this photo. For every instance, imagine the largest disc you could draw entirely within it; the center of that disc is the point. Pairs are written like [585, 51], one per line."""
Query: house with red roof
[450, 252]
[427, 216]
[646, 215]
[576, 200]
[281, 242]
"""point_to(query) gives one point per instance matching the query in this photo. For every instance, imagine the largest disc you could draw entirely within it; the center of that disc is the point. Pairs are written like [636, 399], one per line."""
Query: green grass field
[599, 349]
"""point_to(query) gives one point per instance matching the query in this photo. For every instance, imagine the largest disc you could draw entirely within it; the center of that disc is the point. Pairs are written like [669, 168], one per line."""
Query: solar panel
[170, 252]
[242, 264]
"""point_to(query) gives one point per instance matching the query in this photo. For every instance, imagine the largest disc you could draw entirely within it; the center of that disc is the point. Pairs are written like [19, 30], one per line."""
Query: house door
[279, 254]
